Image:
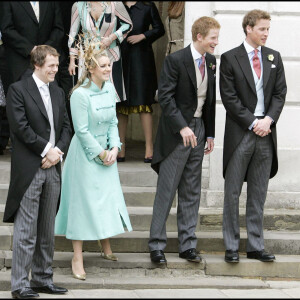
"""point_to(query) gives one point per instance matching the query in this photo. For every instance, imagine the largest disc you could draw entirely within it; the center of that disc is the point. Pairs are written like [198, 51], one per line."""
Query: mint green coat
[92, 205]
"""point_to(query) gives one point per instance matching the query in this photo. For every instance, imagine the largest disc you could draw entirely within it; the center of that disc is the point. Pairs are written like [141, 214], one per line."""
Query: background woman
[92, 204]
[109, 22]
[139, 70]
[175, 26]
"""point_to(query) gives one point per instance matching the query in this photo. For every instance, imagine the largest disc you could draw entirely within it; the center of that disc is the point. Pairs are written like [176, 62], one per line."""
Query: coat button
[91, 153]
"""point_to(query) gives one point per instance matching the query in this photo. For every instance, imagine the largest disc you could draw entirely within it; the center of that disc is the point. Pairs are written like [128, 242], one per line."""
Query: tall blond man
[187, 96]
[253, 91]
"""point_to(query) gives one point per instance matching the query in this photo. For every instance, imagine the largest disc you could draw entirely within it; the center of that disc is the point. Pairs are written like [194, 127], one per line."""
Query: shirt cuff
[61, 156]
[48, 146]
[271, 119]
[210, 137]
[254, 122]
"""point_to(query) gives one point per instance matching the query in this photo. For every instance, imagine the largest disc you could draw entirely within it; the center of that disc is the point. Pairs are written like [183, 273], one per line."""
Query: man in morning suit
[24, 25]
[187, 96]
[40, 134]
[253, 90]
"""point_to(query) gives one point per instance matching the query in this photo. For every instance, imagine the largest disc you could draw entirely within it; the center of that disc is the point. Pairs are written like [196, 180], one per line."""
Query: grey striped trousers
[33, 239]
[253, 157]
[181, 170]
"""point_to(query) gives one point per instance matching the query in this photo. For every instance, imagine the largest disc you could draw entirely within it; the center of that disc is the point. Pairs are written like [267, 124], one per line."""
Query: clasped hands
[189, 138]
[51, 158]
[262, 127]
[109, 157]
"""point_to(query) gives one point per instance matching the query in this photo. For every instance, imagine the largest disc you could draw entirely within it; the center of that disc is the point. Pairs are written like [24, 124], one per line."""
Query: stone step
[209, 219]
[277, 242]
[132, 266]
[132, 173]
[94, 281]
[274, 200]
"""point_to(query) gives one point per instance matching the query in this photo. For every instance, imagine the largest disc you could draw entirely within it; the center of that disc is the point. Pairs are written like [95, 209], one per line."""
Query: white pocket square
[273, 66]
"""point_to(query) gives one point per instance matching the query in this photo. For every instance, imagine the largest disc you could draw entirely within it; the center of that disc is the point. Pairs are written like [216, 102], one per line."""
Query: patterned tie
[46, 95]
[201, 66]
[256, 64]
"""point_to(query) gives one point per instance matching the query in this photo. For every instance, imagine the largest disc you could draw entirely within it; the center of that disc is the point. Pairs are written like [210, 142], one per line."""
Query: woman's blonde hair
[91, 62]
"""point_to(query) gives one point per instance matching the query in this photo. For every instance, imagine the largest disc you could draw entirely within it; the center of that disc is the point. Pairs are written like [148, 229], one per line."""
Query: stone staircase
[134, 268]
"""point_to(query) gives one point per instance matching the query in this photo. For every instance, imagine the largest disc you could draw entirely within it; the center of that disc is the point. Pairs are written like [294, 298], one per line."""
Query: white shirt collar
[195, 53]
[38, 81]
[249, 48]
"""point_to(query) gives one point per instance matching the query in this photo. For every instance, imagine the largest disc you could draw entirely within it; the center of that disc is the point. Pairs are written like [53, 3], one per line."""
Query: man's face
[208, 43]
[48, 70]
[257, 35]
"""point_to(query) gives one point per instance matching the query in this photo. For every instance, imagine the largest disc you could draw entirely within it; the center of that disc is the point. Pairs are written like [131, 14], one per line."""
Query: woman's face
[102, 72]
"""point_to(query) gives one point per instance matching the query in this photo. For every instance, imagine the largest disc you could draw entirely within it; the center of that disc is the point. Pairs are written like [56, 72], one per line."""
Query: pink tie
[202, 67]
[256, 64]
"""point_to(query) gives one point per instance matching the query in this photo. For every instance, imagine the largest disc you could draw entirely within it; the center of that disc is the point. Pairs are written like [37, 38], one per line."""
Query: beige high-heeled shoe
[107, 256]
[78, 276]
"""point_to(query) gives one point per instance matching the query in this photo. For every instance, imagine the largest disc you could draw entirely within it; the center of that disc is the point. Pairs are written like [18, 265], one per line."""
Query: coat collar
[189, 64]
[36, 96]
[243, 60]
[29, 10]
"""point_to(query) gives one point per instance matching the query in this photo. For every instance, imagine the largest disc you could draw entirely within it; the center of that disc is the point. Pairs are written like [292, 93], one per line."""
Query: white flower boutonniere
[270, 57]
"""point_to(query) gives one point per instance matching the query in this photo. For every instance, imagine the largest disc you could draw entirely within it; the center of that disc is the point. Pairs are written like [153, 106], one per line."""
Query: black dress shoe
[148, 160]
[232, 256]
[24, 293]
[158, 257]
[120, 159]
[50, 289]
[191, 255]
[261, 255]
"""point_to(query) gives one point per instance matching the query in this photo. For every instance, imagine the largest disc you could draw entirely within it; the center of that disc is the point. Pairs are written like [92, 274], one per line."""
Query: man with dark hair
[40, 134]
[253, 91]
[187, 96]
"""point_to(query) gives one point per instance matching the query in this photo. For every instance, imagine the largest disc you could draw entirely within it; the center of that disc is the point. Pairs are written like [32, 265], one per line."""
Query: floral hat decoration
[88, 47]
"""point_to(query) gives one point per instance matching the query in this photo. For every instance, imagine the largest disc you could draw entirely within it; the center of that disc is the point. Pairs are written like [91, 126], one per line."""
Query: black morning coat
[239, 97]
[30, 133]
[177, 96]
[21, 31]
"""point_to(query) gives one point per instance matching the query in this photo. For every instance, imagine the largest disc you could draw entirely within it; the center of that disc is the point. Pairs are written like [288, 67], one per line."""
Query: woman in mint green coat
[92, 205]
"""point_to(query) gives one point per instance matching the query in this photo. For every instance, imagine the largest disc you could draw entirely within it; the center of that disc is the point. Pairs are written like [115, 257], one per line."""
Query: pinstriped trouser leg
[244, 160]
[257, 185]
[26, 228]
[189, 193]
[170, 174]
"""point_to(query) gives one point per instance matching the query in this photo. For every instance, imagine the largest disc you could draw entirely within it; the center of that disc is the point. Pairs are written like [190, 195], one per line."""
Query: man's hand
[210, 146]
[111, 157]
[262, 127]
[134, 39]
[53, 155]
[46, 164]
[188, 137]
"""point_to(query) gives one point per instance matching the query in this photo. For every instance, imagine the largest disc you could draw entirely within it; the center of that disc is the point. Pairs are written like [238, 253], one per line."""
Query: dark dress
[138, 60]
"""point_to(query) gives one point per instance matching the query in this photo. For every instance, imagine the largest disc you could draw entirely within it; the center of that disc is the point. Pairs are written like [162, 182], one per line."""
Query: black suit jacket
[239, 97]
[177, 96]
[30, 133]
[21, 31]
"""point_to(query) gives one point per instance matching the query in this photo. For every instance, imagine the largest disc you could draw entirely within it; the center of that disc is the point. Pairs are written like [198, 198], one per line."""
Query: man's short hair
[203, 25]
[253, 16]
[39, 54]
